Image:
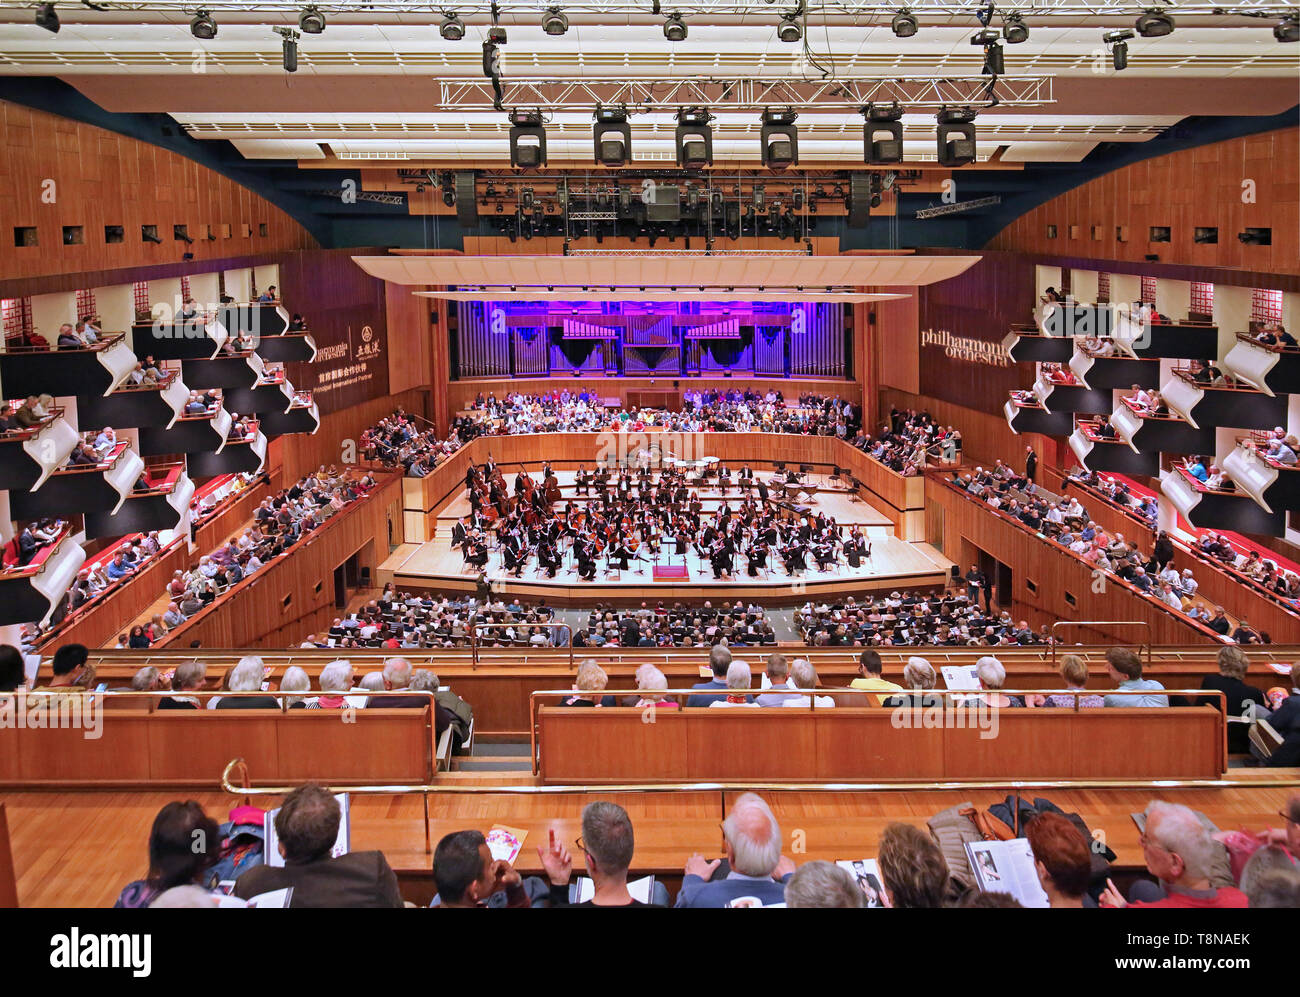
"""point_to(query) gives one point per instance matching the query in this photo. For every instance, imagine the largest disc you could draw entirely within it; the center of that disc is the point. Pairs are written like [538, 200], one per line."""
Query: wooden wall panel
[104, 179]
[1184, 189]
[870, 745]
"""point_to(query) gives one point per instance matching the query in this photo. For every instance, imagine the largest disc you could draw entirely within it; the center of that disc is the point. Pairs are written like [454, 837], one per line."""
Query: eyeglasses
[1287, 817]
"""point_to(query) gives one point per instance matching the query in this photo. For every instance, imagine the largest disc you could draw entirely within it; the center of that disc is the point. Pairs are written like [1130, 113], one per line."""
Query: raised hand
[556, 861]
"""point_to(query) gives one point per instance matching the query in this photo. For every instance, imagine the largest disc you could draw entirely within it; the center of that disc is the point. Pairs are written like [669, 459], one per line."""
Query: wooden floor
[80, 849]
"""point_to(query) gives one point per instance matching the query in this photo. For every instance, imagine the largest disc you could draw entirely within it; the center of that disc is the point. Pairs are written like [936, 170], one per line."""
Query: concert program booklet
[866, 872]
[342, 844]
[1007, 867]
[505, 843]
[960, 678]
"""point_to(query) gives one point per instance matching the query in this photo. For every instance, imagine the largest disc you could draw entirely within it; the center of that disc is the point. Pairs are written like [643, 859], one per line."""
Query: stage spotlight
[694, 138]
[1154, 23]
[779, 138]
[449, 196]
[992, 51]
[527, 139]
[1287, 29]
[48, 18]
[1014, 29]
[904, 24]
[554, 22]
[789, 30]
[675, 29]
[956, 135]
[311, 21]
[882, 133]
[452, 28]
[612, 137]
[289, 48]
[203, 26]
[993, 64]
[1118, 42]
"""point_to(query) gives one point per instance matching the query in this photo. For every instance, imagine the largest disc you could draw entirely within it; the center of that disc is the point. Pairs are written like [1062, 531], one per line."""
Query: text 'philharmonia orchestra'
[967, 349]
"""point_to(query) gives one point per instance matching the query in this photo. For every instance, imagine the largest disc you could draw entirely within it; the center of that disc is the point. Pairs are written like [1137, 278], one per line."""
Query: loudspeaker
[466, 202]
[859, 200]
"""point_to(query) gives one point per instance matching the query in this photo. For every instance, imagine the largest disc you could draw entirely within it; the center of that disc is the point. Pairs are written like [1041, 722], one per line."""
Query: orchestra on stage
[624, 517]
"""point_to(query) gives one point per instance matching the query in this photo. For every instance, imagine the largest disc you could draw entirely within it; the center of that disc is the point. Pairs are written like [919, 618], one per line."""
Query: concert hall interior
[519, 454]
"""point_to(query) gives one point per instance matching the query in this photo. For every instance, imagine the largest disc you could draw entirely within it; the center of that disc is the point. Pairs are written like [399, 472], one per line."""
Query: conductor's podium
[846, 744]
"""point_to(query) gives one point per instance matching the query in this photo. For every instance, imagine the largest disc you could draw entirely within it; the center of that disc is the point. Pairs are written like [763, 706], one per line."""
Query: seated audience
[467, 875]
[173, 858]
[1125, 669]
[307, 827]
[823, 884]
[757, 871]
[912, 868]
[1062, 858]
[607, 844]
[1180, 853]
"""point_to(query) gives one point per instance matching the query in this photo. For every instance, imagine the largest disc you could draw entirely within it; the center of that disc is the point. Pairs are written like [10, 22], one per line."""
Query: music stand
[853, 494]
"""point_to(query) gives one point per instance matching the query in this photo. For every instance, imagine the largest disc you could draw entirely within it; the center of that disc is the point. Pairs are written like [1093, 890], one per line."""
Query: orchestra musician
[582, 482]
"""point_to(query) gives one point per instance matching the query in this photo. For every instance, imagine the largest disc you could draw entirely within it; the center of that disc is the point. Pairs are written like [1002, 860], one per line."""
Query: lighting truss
[378, 197]
[700, 10]
[743, 93]
[960, 206]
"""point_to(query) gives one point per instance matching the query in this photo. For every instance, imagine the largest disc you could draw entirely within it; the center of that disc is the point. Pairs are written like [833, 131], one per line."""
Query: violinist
[477, 552]
[757, 556]
[548, 558]
[460, 533]
[586, 548]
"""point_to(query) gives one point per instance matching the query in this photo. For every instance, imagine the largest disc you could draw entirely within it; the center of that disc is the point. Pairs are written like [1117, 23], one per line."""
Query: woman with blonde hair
[1074, 670]
[589, 683]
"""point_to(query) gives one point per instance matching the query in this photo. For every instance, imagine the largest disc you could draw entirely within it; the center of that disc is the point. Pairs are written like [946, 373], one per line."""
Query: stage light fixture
[1287, 29]
[694, 138]
[675, 29]
[993, 63]
[203, 26]
[527, 139]
[554, 22]
[904, 24]
[289, 49]
[452, 28]
[1014, 29]
[882, 133]
[311, 21]
[612, 137]
[48, 18]
[789, 29]
[1155, 23]
[956, 135]
[779, 138]
[1118, 42]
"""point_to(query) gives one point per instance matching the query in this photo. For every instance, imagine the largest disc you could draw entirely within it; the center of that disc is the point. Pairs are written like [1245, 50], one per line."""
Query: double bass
[551, 488]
